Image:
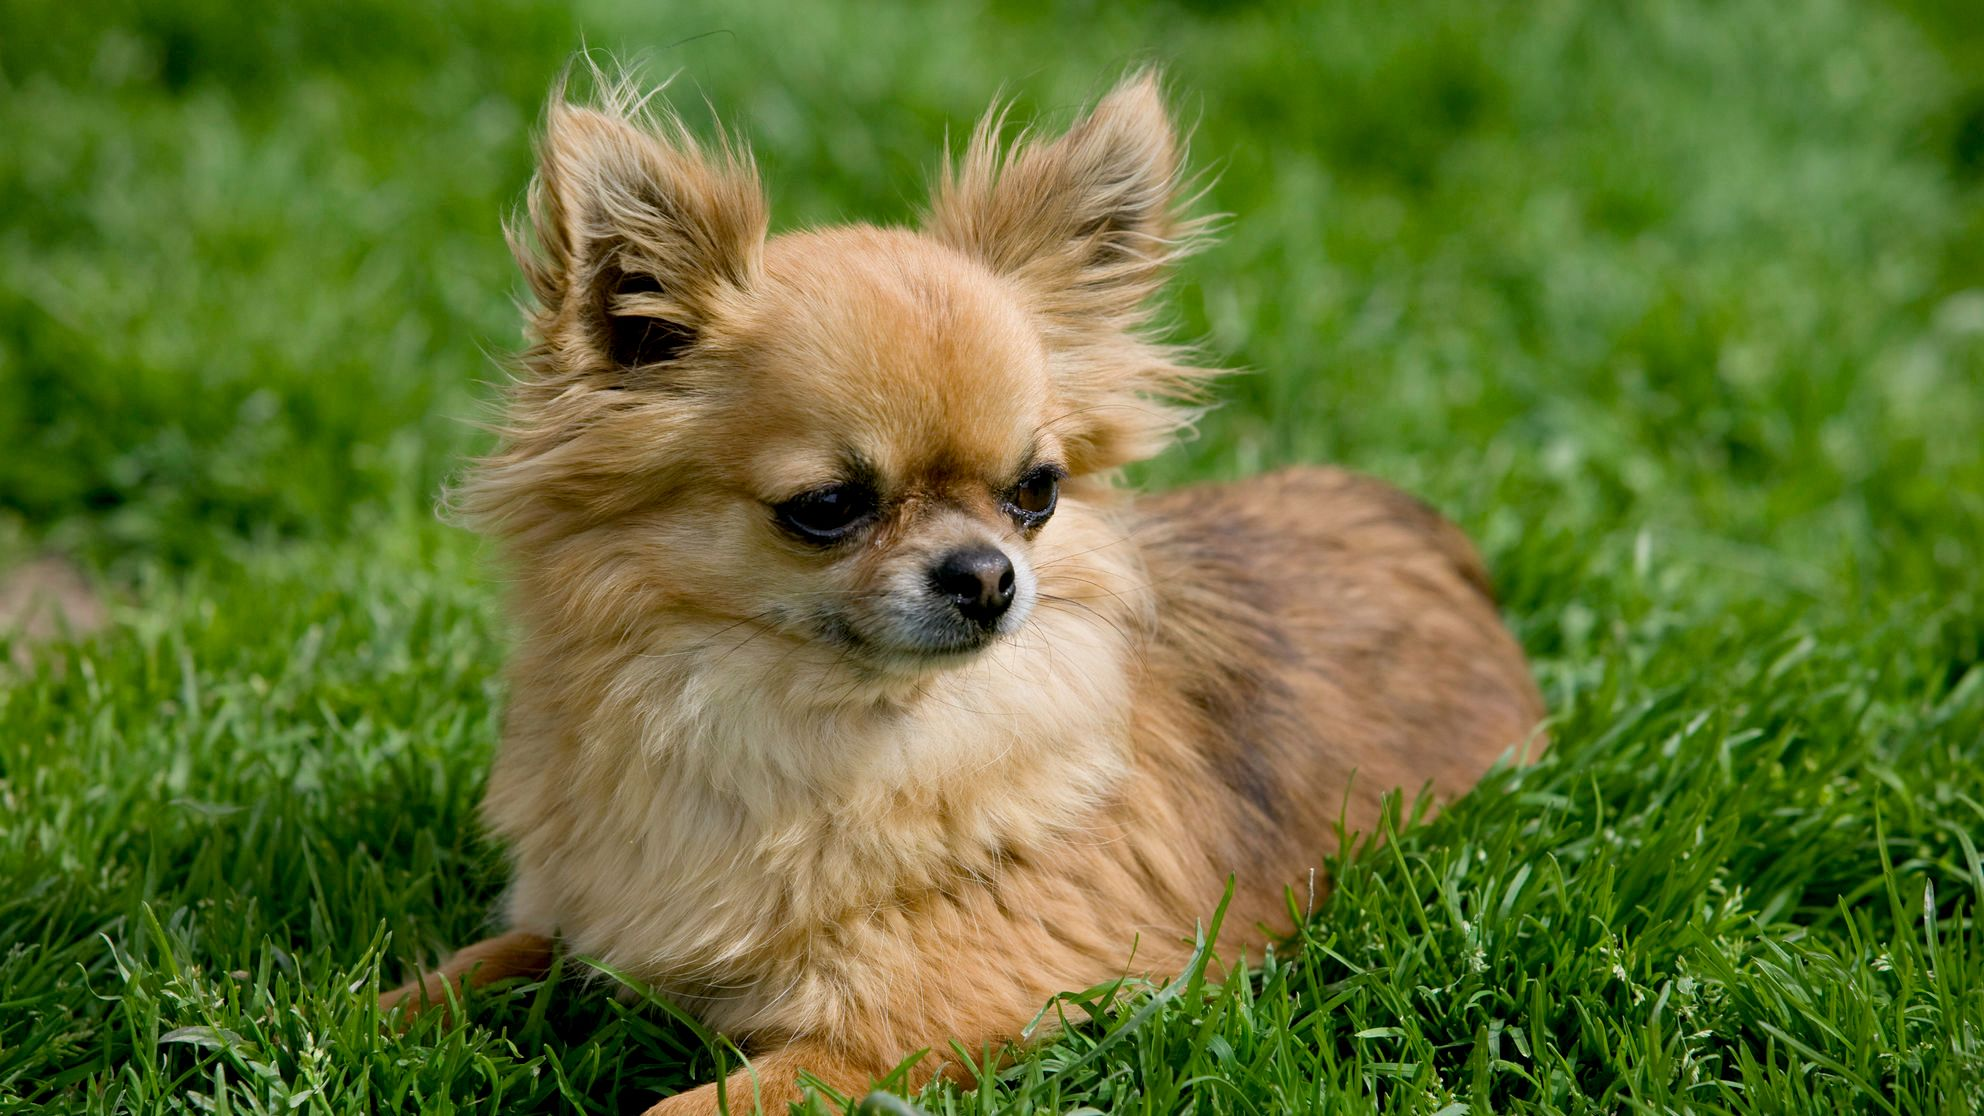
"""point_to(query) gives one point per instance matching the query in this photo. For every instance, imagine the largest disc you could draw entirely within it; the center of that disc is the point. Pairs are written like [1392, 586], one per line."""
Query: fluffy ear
[639, 233]
[1088, 221]
[1088, 225]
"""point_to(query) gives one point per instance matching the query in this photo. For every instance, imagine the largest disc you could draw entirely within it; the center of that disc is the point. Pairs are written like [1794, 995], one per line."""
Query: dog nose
[978, 580]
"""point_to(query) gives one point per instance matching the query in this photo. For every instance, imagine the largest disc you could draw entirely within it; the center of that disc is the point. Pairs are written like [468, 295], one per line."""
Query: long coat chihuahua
[859, 708]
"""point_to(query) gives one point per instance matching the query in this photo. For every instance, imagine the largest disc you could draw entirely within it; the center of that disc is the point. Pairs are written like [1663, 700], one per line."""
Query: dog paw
[701, 1102]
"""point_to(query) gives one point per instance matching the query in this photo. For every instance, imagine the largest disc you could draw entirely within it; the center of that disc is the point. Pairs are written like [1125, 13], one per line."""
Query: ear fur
[1088, 222]
[1088, 226]
[638, 232]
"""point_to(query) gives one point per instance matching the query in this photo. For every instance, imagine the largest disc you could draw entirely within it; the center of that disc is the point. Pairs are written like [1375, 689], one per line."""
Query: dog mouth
[919, 643]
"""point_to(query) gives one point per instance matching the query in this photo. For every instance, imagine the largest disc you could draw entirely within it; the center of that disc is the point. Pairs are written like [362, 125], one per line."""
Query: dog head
[879, 448]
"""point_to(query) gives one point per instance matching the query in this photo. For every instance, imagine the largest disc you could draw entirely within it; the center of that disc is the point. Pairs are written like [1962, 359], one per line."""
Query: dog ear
[639, 233]
[1087, 222]
[1088, 226]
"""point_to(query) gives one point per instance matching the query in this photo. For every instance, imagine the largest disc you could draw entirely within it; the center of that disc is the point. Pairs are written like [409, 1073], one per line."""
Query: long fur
[717, 774]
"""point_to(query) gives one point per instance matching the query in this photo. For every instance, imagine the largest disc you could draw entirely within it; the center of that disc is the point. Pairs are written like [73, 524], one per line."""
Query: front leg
[515, 954]
[770, 1082]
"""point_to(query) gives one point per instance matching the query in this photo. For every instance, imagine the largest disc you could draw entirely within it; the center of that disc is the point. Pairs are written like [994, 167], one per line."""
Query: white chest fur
[708, 823]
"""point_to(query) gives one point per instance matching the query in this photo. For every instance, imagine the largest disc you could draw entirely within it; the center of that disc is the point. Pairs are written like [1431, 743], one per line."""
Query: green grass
[1678, 308]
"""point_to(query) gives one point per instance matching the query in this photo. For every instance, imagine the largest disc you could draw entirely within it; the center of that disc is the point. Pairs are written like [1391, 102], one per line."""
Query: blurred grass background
[1678, 307]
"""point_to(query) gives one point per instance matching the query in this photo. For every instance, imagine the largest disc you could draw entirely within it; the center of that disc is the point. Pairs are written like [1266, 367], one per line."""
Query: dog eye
[827, 514]
[1033, 498]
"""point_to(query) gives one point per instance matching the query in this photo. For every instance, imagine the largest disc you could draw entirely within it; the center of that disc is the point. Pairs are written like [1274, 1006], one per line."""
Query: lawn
[1678, 308]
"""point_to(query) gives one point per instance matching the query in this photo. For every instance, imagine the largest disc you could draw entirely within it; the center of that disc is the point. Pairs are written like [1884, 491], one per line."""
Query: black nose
[978, 580]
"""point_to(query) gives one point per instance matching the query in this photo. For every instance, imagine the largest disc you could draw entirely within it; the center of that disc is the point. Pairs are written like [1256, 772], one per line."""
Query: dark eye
[827, 514]
[1032, 500]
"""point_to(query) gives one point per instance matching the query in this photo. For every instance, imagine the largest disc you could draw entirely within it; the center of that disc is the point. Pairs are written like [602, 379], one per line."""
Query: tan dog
[858, 710]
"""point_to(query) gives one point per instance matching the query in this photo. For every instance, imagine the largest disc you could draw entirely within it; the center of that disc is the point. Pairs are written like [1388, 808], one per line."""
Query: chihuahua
[859, 708]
